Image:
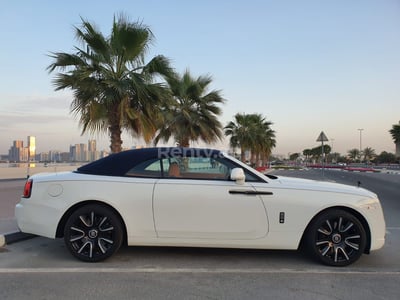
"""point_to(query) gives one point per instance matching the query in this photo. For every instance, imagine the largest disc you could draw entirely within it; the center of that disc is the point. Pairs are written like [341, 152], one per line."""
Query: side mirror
[237, 174]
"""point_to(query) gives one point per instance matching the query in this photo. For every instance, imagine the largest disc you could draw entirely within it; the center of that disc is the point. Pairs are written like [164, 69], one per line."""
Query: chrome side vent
[281, 217]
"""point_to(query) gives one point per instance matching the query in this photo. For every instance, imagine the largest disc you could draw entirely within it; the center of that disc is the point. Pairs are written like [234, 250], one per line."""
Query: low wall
[23, 172]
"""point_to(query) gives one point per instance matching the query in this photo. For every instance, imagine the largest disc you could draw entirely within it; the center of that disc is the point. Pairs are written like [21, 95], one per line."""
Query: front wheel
[336, 238]
[93, 233]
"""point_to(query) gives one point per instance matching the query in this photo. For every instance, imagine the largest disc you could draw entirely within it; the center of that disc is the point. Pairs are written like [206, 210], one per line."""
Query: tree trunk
[115, 138]
[253, 160]
[264, 159]
[242, 154]
[114, 129]
[183, 142]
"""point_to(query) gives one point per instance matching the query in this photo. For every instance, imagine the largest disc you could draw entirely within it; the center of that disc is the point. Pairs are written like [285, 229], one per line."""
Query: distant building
[43, 157]
[72, 152]
[51, 156]
[16, 152]
[55, 156]
[92, 145]
[103, 153]
[79, 153]
[19, 153]
[24, 155]
[4, 158]
[31, 148]
[64, 156]
[93, 153]
[83, 153]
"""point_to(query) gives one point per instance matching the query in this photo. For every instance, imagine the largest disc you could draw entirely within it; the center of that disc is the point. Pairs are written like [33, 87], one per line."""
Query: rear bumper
[36, 219]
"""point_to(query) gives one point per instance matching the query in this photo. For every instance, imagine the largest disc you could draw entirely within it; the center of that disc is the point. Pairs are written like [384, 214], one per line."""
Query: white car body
[205, 213]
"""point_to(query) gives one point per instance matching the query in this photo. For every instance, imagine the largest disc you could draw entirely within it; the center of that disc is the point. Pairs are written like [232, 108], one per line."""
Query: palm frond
[113, 89]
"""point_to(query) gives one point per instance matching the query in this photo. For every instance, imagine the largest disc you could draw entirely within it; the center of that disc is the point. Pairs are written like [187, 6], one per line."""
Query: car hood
[323, 186]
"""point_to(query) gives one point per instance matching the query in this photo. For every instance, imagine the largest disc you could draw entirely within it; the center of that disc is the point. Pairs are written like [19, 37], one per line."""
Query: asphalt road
[10, 194]
[41, 268]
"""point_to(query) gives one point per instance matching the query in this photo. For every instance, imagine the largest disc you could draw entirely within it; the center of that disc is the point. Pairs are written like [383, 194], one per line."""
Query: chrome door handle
[249, 192]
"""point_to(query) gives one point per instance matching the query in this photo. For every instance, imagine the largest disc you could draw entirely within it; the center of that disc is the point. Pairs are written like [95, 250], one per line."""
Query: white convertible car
[197, 198]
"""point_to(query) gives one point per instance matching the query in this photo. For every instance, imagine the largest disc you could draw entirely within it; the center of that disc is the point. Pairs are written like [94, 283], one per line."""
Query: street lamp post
[360, 129]
[322, 138]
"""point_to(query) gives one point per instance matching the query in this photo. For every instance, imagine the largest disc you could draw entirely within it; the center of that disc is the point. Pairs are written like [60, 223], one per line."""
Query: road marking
[192, 270]
[390, 229]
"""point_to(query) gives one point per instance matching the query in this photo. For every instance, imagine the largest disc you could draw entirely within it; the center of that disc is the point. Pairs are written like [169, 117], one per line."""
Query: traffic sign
[322, 137]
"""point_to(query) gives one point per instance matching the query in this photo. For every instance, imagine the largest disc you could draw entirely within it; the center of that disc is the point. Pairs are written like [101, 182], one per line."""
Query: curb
[12, 179]
[14, 237]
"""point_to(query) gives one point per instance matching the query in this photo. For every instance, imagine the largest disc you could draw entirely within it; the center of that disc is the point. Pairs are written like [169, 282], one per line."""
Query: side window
[207, 168]
[195, 168]
[150, 168]
[228, 166]
[250, 177]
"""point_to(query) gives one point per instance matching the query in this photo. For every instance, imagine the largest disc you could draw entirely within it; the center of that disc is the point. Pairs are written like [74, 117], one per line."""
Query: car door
[199, 201]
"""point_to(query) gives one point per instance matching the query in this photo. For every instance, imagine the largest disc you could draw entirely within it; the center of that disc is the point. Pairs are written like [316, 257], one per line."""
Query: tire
[336, 238]
[93, 233]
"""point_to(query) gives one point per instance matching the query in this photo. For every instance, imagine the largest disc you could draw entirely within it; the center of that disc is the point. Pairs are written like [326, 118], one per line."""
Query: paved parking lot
[42, 268]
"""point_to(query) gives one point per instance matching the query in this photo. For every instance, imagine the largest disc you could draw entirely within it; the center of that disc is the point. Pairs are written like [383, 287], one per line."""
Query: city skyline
[81, 152]
[92, 152]
[65, 147]
[307, 66]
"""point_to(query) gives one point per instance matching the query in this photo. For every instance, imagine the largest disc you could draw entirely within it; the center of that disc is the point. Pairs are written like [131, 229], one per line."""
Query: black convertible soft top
[119, 164]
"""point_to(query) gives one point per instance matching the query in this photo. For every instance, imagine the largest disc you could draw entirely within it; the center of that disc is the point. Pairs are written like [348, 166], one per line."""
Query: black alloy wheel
[336, 238]
[93, 233]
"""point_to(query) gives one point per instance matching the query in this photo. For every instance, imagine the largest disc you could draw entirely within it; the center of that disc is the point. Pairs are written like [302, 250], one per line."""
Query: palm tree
[193, 113]
[354, 154]
[251, 132]
[240, 132]
[113, 88]
[334, 157]
[263, 140]
[395, 132]
[307, 153]
[369, 154]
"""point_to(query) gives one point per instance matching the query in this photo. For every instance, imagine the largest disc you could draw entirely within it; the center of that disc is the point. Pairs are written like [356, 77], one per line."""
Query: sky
[306, 66]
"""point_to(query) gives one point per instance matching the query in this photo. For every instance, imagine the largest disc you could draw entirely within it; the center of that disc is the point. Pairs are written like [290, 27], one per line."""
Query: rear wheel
[93, 233]
[336, 238]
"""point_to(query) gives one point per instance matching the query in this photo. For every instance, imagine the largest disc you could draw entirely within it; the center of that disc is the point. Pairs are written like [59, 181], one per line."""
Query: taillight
[28, 188]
